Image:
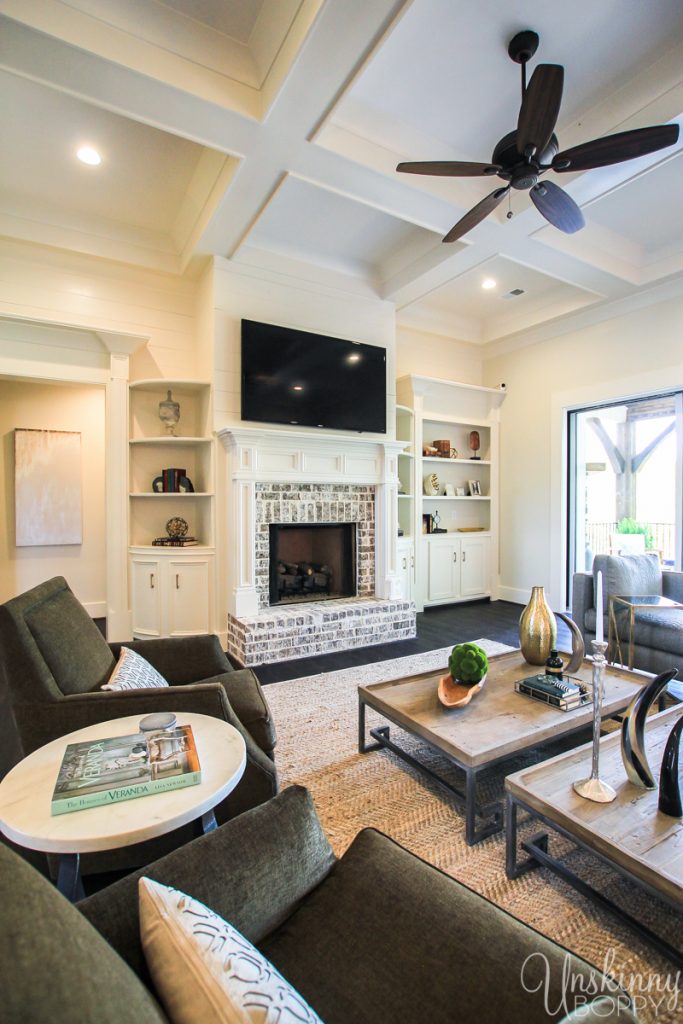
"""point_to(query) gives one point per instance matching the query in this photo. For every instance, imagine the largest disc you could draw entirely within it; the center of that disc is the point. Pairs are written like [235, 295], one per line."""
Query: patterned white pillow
[132, 672]
[205, 971]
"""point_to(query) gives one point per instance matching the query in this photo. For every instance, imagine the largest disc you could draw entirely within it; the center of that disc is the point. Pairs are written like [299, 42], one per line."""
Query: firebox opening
[312, 562]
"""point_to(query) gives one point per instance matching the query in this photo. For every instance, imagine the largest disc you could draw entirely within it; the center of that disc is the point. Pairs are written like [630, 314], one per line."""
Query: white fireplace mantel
[259, 455]
[289, 455]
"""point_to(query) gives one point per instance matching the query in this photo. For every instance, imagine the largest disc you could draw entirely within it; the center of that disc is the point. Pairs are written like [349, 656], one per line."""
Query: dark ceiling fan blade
[557, 207]
[539, 110]
[448, 168]
[476, 214]
[612, 149]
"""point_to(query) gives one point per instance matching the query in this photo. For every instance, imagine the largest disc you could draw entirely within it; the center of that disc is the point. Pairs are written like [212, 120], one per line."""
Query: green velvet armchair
[376, 936]
[54, 660]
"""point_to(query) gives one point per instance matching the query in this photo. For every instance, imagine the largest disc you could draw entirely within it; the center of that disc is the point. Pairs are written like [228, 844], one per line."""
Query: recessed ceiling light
[488, 283]
[88, 155]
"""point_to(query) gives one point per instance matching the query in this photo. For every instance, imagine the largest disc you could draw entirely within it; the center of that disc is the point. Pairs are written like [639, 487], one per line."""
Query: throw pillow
[205, 971]
[634, 575]
[133, 672]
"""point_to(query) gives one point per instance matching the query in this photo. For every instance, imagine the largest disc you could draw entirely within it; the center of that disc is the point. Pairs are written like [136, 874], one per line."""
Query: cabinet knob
[151, 581]
[177, 581]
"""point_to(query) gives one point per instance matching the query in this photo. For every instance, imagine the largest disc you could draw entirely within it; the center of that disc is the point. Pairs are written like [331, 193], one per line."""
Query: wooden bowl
[456, 695]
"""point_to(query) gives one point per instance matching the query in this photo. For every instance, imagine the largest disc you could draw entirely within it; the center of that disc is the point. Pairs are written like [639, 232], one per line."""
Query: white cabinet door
[444, 569]
[474, 566]
[146, 592]
[188, 596]
[406, 562]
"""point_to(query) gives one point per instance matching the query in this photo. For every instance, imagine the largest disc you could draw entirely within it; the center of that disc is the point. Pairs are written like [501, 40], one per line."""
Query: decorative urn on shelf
[468, 666]
[537, 629]
[169, 413]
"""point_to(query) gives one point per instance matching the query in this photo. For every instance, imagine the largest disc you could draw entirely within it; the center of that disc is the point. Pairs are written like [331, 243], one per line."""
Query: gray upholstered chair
[658, 636]
[54, 661]
[379, 935]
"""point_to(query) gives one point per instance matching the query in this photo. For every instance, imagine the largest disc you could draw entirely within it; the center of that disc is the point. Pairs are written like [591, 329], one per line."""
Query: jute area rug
[316, 719]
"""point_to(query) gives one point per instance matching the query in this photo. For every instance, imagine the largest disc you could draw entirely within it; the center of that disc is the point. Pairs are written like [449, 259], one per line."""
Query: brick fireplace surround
[291, 477]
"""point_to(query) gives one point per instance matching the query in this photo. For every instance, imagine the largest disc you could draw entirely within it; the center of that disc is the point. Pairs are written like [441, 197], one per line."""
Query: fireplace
[312, 561]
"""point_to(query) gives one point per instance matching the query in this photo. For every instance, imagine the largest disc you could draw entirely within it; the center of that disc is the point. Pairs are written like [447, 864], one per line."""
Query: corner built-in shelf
[461, 565]
[172, 587]
[457, 462]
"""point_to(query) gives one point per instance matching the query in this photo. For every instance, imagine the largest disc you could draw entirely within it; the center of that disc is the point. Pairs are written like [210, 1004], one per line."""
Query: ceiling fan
[522, 156]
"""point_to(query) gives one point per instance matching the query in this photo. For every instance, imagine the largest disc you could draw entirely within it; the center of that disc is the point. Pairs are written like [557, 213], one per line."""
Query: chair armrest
[582, 598]
[40, 723]
[672, 585]
[254, 871]
[250, 705]
[181, 659]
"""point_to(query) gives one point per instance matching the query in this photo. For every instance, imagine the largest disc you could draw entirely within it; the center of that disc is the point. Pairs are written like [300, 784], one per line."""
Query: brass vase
[537, 629]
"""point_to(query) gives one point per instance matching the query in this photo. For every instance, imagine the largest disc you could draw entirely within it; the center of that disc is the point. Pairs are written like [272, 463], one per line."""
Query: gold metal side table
[631, 604]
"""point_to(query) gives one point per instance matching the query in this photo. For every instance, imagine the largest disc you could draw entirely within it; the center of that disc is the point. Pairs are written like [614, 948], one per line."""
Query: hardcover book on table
[120, 768]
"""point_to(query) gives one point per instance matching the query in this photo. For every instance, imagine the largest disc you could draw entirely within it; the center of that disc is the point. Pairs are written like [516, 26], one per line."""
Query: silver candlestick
[594, 788]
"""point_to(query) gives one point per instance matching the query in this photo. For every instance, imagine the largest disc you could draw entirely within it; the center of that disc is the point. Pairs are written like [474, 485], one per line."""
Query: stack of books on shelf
[171, 480]
[174, 542]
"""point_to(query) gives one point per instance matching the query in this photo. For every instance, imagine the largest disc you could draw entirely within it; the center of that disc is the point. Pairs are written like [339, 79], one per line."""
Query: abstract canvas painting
[47, 487]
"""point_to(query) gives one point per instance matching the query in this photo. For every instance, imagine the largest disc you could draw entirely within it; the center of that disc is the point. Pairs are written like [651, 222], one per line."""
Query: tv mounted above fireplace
[312, 380]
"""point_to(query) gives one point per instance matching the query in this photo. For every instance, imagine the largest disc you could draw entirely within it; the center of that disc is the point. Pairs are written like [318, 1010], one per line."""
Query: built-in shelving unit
[405, 431]
[171, 589]
[457, 564]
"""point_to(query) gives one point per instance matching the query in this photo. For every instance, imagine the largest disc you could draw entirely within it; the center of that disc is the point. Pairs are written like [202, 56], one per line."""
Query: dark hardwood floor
[436, 627]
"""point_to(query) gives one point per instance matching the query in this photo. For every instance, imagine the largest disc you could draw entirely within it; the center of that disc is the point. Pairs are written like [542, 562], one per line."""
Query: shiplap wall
[258, 295]
[52, 286]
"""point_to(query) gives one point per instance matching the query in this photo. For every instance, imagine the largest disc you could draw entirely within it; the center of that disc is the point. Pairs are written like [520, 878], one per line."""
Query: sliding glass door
[625, 480]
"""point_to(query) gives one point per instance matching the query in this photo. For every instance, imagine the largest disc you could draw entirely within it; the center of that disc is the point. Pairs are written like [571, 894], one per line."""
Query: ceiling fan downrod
[521, 49]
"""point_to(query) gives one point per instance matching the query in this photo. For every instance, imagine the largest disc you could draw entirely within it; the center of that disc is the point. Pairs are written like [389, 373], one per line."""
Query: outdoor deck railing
[598, 537]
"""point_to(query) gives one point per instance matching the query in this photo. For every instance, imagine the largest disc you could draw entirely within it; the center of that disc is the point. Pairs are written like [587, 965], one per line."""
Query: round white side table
[26, 793]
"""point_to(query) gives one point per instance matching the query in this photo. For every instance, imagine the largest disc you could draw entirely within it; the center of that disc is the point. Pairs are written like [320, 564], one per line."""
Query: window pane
[625, 480]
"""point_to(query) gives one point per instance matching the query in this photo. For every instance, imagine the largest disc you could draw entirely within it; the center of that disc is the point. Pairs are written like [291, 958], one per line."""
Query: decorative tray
[565, 694]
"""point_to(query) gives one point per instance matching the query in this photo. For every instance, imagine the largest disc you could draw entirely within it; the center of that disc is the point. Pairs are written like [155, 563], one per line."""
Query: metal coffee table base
[539, 856]
[466, 800]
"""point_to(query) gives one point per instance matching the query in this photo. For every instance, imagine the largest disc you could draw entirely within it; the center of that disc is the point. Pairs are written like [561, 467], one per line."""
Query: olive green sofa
[54, 660]
[377, 936]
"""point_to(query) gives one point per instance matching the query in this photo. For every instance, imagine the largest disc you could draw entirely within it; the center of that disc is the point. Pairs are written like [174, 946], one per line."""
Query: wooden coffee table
[26, 792]
[497, 725]
[630, 835]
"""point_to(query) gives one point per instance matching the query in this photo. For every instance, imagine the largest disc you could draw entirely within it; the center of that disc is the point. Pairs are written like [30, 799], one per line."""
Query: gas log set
[302, 580]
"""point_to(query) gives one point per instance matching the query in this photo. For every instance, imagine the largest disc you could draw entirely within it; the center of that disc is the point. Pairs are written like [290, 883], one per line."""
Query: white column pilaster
[116, 488]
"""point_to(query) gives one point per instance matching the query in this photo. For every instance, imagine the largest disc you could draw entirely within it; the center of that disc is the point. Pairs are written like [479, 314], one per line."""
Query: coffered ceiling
[268, 132]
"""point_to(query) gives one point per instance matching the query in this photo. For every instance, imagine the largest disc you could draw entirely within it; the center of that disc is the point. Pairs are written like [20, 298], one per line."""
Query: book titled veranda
[125, 767]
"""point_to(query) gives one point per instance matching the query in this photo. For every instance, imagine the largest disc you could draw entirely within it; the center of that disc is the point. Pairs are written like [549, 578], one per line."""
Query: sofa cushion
[71, 644]
[657, 630]
[387, 936]
[205, 971]
[626, 575]
[54, 966]
[133, 672]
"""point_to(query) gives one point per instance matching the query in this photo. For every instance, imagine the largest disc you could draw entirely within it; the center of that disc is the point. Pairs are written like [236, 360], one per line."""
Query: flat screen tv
[312, 380]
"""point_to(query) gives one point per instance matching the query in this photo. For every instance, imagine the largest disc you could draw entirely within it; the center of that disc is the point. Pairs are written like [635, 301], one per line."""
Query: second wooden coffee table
[495, 726]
